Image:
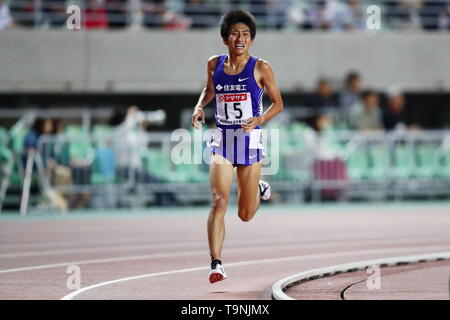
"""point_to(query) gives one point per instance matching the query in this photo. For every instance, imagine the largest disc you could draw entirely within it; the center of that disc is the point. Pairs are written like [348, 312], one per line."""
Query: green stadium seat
[102, 129]
[104, 167]
[156, 163]
[379, 164]
[357, 164]
[80, 148]
[5, 152]
[404, 162]
[429, 159]
[444, 171]
[18, 138]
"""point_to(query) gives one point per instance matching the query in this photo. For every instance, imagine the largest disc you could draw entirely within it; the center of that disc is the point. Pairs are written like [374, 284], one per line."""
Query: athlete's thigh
[220, 176]
[248, 182]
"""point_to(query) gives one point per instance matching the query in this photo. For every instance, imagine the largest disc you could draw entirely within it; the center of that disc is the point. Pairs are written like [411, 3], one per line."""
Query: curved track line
[280, 286]
[416, 263]
[237, 264]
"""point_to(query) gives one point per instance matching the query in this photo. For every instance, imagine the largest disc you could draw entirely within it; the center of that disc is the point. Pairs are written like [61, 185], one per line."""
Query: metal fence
[338, 166]
[279, 14]
[384, 166]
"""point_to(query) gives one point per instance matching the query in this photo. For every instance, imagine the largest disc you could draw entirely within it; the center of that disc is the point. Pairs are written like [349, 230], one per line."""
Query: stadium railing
[380, 165]
[337, 165]
[173, 14]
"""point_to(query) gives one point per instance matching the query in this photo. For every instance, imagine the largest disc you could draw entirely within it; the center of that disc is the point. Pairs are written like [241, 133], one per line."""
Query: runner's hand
[252, 123]
[198, 117]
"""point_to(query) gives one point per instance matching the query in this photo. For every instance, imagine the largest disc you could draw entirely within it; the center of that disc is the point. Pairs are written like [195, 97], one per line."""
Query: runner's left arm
[266, 77]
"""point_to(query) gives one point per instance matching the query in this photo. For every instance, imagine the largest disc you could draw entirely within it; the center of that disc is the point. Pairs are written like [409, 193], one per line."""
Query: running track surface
[163, 253]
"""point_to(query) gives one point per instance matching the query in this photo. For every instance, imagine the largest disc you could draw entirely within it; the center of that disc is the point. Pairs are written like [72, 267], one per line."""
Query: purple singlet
[238, 98]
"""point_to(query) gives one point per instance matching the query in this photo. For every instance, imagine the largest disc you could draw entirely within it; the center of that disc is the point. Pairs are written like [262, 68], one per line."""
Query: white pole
[27, 183]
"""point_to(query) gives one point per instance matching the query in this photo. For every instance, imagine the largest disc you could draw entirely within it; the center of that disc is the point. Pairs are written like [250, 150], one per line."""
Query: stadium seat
[429, 161]
[104, 166]
[404, 162]
[5, 152]
[379, 162]
[156, 163]
[357, 164]
[444, 171]
[18, 138]
[80, 147]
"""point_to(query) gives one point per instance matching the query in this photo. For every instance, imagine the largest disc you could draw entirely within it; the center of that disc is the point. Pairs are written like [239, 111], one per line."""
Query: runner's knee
[220, 201]
[246, 214]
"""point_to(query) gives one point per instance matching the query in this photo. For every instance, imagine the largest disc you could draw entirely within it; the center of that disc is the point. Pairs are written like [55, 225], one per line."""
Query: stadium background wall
[145, 62]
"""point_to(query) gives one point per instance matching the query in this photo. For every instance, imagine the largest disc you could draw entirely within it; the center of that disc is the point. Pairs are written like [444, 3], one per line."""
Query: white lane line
[113, 247]
[100, 249]
[151, 256]
[106, 241]
[163, 255]
[245, 263]
[260, 243]
[279, 287]
[137, 247]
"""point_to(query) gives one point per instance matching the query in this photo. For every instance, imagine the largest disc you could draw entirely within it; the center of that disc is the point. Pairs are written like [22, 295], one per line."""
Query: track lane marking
[159, 255]
[245, 263]
[136, 247]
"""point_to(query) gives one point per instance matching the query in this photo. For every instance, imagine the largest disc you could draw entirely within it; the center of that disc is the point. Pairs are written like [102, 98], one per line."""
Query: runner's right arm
[206, 96]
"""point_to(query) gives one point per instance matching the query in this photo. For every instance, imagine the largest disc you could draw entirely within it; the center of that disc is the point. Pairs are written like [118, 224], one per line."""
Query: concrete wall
[140, 61]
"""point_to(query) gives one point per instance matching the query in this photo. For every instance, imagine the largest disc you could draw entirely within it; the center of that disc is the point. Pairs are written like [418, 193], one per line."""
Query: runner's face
[239, 40]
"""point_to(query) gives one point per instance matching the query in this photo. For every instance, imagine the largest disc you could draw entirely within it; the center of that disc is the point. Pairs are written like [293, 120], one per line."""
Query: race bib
[233, 108]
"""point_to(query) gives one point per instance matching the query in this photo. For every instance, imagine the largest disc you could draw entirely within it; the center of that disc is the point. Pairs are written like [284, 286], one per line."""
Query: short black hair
[237, 16]
[351, 76]
[368, 93]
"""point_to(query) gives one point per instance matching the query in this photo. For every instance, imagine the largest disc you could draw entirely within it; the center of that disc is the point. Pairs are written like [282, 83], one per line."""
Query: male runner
[237, 82]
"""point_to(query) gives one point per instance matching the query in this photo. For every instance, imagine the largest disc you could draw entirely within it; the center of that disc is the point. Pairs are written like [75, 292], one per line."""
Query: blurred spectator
[367, 116]
[444, 18]
[117, 13]
[351, 94]
[435, 14]
[394, 114]
[258, 8]
[94, 16]
[403, 14]
[328, 164]
[154, 11]
[342, 15]
[202, 15]
[356, 15]
[6, 20]
[59, 171]
[157, 15]
[59, 149]
[322, 122]
[23, 12]
[129, 142]
[321, 14]
[278, 13]
[40, 127]
[317, 139]
[323, 97]
[54, 12]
